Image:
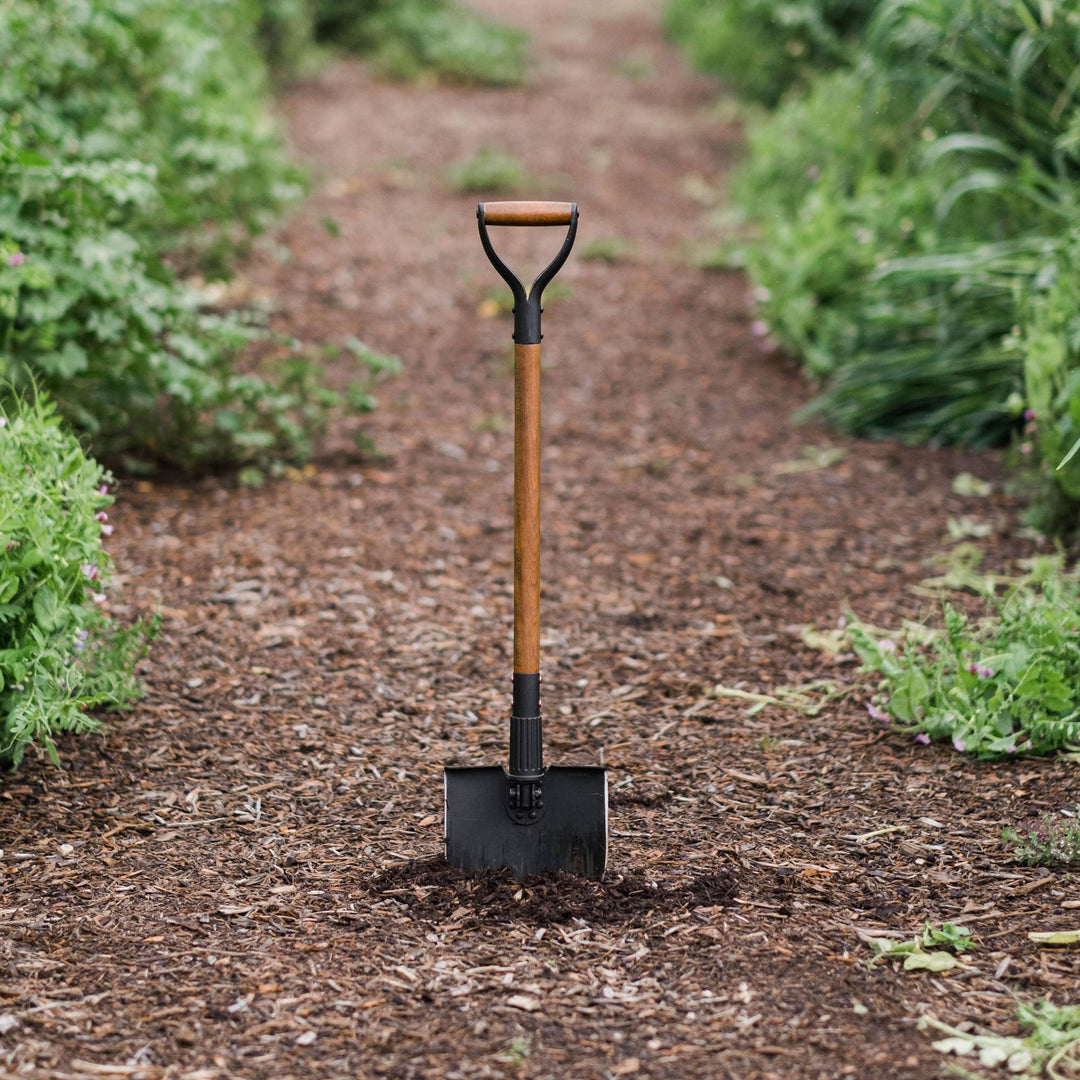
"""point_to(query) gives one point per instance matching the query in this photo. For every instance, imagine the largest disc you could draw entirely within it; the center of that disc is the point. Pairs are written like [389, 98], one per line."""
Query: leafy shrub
[763, 47]
[58, 654]
[133, 127]
[407, 37]
[916, 215]
[1007, 684]
[172, 90]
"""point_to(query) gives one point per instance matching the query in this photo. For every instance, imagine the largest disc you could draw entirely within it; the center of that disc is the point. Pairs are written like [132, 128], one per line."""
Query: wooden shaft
[528, 213]
[526, 509]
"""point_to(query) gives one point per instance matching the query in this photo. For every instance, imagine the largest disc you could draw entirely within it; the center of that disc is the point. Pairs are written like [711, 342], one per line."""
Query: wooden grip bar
[526, 509]
[527, 213]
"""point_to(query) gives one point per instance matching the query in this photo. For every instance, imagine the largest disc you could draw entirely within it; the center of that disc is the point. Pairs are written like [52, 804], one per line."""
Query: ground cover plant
[59, 655]
[916, 215]
[1002, 685]
[1053, 840]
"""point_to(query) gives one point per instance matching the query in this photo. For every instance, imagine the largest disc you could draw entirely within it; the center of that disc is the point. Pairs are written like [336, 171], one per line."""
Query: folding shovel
[530, 818]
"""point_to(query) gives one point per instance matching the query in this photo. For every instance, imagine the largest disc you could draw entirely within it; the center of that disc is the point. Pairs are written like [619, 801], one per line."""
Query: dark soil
[244, 878]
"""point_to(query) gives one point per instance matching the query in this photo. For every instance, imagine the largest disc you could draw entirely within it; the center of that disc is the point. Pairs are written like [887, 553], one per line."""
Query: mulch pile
[244, 877]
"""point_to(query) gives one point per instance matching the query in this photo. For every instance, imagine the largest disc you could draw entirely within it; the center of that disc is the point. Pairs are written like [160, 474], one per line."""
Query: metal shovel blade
[569, 833]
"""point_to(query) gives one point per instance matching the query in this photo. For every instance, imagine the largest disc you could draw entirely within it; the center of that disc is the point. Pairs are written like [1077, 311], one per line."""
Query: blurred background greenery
[911, 188]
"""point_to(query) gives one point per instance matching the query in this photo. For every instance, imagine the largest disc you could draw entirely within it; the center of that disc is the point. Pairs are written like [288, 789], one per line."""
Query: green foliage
[1053, 840]
[487, 172]
[917, 219]
[926, 951]
[1006, 684]
[59, 656]
[136, 130]
[405, 38]
[764, 47]
[1049, 1048]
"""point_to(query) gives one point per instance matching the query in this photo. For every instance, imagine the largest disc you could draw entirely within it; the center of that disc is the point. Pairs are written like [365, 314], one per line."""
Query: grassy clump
[487, 172]
[998, 686]
[917, 220]
[405, 38]
[59, 655]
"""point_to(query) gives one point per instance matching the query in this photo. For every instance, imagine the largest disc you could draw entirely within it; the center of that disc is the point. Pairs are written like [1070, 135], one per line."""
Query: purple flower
[887, 645]
[91, 571]
[101, 516]
[959, 744]
[759, 328]
[1029, 414]
[878, 714]
[981, 670]
[1025, 448]
[103, 490]
[17, 259]
[923, 738]
[106, 530]
[80, 640]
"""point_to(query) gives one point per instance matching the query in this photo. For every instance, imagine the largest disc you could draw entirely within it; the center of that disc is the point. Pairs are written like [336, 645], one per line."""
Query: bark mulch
[244, 877]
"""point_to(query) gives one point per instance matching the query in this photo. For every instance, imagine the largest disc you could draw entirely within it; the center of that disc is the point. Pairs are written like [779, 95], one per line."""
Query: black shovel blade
[569, 833]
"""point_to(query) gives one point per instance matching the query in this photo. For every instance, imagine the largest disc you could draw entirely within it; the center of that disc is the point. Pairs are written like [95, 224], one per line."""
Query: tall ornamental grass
[916, 217]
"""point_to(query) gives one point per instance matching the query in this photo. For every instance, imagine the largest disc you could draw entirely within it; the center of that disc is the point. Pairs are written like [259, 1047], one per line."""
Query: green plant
[487, 172]
[59, 655]
[917, 219]
[405, 38]
[1053, 840]
[1051, 1048]
[1006, 684]
[761, 47]
[926, 951]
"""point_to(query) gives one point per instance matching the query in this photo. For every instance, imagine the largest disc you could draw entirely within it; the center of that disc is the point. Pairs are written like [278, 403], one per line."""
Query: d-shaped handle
[527, 309]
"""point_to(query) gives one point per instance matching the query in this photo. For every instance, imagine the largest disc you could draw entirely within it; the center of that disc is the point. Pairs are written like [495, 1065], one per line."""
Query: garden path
[243, 879]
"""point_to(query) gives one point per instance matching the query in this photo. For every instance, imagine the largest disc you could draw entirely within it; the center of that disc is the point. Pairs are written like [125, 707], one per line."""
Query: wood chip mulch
[244, 878]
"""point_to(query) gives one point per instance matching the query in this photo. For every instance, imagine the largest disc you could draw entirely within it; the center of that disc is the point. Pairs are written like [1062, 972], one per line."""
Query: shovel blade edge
[570, 834]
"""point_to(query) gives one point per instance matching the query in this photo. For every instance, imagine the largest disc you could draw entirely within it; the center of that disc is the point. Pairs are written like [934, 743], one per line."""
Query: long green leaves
[916, 218]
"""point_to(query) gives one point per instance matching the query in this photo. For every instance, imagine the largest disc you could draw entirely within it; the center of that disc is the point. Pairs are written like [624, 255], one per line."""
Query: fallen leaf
[1055, 937]
[931, 961]
[524, 1002]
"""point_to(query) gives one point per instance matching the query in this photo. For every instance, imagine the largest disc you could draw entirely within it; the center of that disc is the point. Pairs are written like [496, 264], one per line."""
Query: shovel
[530, 818]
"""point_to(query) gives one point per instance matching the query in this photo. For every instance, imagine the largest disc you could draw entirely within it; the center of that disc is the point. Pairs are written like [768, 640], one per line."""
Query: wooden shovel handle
[527, 213]
[526, 509]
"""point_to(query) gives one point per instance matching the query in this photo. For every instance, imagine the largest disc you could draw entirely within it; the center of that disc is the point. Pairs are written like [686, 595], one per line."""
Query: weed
[606, 249]
[487, 172]
[408, 38]
[927, 951]
[1050, 841]
[1002, 685]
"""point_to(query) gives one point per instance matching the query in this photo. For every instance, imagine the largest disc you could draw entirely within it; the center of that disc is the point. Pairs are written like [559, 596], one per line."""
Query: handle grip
[527, 307]
[527, 213]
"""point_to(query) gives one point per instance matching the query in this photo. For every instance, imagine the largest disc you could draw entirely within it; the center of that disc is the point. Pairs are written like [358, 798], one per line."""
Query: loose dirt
[244, 878]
